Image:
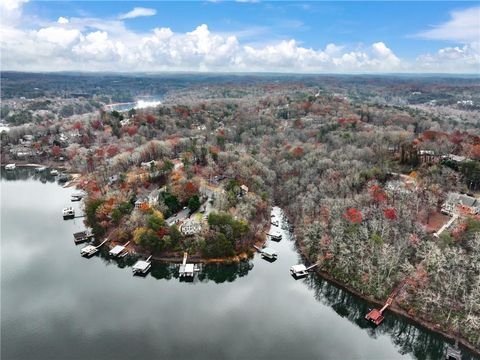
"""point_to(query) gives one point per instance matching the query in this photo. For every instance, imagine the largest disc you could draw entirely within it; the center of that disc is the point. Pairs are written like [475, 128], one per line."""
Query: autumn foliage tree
[353, 215]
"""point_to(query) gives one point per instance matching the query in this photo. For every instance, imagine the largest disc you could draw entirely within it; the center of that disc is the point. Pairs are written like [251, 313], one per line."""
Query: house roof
[461, 199]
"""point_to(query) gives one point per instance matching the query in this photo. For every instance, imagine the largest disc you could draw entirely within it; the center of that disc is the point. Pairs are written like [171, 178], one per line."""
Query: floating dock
[91, 250]
[77, 196]
[82, 236]
[301, 270]
[117, 250]
[276, 235]
[68, 213]
[141, 267]
[267, 253]
[375, 315]
[187, 270]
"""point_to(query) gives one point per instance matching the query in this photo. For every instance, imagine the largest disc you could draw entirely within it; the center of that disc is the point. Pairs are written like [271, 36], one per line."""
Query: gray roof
[461, 199]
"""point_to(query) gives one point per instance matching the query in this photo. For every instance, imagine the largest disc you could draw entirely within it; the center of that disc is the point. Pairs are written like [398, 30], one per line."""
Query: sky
[241, 36]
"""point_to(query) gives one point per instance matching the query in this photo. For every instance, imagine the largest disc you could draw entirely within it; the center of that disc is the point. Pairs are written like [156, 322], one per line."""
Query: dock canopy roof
[141, 265]
[116, 250]
[269, 251]
[298, 268]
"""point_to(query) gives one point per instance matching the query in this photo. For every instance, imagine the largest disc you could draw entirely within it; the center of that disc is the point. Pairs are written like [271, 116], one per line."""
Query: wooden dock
[141, 267]
[186, 270]
[82, 236]
[117, 250]
[375, 315]
[91, 250]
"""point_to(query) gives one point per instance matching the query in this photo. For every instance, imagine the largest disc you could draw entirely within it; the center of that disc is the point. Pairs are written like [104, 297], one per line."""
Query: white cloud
[58, 35]
[137, 12]
[98, 44]
[464, 26]
[464, 58]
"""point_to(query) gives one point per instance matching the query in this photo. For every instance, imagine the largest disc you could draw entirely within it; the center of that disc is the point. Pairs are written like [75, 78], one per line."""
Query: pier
[267, 253]
[91, 250]
[117, 250]
[141, 267]
[68, 213]
[82, 236]
[375, 315]
[187, 270]
[301, 270]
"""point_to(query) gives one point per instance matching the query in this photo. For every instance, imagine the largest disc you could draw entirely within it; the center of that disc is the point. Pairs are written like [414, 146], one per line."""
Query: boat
[40, 169]
[10, 167]
[68, 213]
[141, 267]
[54, 172]
[88, 250]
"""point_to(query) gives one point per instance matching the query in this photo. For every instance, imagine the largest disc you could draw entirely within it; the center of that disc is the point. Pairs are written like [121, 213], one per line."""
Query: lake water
[58, 305]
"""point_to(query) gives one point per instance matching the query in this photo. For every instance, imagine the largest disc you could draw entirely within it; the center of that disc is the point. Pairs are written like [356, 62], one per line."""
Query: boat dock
[267, 253]
[141, 267]
[275, 235]
[82, 236]
[117, 250]
[77, 196]
[91, 250]
[375, 315]
[187, 270]
[68, 213]
[301, 270]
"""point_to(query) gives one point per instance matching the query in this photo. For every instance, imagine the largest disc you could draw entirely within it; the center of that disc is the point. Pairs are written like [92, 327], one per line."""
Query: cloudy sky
[243, 36]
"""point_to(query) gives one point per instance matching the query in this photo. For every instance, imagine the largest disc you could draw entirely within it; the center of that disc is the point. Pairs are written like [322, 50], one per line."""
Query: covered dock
[68, 213]
[269, 253]
[187, 270]
[141, 267]
[82, 236]
[117, 250]
[91, 250]
[275, 235]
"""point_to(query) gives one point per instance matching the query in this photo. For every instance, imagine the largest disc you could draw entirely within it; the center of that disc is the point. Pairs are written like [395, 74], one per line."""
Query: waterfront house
[460, 203]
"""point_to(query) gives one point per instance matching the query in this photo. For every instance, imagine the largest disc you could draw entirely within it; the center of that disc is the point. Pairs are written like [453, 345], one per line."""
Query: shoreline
[426, 324]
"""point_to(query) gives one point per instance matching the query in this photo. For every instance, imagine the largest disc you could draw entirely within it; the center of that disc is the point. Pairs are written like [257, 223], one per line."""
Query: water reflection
[27, 173]
[407, 336]
[58, 305]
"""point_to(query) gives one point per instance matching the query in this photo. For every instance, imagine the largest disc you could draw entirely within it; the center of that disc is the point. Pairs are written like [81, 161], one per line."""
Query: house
[112, 179]
[457, 158]
[20, 151]
[153, 197]
[147, 165]
[140, 201]
[190, 227]
[456, 203]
